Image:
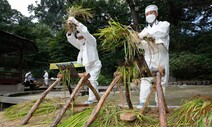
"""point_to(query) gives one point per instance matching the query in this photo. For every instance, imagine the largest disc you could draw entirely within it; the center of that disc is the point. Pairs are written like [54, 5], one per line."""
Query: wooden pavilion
[12, 51]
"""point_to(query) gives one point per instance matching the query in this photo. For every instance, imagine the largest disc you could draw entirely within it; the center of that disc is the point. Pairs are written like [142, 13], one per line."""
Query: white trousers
[46, 81]
[145, 88]
[93, 69]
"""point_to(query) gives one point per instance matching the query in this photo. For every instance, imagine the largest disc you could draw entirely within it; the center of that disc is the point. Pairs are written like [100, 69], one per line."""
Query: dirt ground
[174, 96]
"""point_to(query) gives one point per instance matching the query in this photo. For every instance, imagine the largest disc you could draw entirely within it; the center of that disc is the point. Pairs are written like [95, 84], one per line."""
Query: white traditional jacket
[88, 47]
[156, 55]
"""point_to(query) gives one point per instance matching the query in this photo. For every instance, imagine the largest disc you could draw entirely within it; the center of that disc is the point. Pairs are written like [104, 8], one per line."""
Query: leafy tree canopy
[191, 25]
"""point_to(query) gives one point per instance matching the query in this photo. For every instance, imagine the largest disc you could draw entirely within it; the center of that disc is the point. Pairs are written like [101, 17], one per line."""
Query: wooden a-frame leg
[65, 107]
[127, 94]
[101, 101]
[120, 95]
[93, 90]
[148, 97]
[37, 103]
[161, 102]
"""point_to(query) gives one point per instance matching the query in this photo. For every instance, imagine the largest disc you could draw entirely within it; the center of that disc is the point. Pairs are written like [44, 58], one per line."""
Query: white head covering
[151, 8]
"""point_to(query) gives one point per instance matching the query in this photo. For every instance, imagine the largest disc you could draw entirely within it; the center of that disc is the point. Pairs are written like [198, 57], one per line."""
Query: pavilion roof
[11, 43]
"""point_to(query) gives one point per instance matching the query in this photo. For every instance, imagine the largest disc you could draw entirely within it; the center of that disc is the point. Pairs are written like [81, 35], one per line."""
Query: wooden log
[37, 103]
[120, 95]
[161, 102]
[101, 101]
[148, 97]
[80, 104]
[127, 94]
[65, 107]
[93, 90]
[69, 88]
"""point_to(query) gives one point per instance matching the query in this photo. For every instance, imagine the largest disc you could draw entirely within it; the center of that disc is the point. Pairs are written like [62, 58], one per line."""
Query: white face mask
[150, 18]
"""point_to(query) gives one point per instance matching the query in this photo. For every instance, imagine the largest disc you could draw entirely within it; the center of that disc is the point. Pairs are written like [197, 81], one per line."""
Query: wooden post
[161, 100]
[65, 107]
[37, 103]
[101, 101]
[145, 104]
[127, 94]
[120, 95]
[93, 90]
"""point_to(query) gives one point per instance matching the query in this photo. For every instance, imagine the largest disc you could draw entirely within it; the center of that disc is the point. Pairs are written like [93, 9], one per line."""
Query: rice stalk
[65, 70]
[77, 120]
[109, 116]
[143, 120]
[192, 112]
[77, 11]
[21, 110]
[117, 35]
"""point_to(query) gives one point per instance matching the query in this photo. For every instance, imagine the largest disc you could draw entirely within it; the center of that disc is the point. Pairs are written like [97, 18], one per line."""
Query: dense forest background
[190, 33]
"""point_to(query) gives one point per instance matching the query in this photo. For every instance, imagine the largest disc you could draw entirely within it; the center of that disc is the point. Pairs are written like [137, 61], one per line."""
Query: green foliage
[42, 36]
[190, 32]
[60, 50]
[8, 16]
[186, 65]
[104, 80]
[50, 12]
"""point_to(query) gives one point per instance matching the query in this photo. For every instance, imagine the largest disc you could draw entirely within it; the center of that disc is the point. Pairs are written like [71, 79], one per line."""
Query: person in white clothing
[156, 51]
[28, 77]
[46, 77]
[88, 54]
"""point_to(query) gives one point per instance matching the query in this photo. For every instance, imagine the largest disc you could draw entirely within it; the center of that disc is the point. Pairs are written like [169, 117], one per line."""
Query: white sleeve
[84, 31]
[72, 40]
[162, 31]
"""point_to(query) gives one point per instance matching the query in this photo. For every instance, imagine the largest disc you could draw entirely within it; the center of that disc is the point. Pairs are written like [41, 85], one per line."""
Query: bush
[186, 65]
[104, 80]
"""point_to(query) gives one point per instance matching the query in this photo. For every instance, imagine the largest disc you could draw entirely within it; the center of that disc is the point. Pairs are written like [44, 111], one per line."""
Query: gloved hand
[70, 26]
[143, 34]
[73, 20]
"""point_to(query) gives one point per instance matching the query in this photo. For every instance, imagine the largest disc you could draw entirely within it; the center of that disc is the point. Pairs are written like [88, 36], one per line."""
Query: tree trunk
[37, 103]
[101, 101]
[131, 4]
